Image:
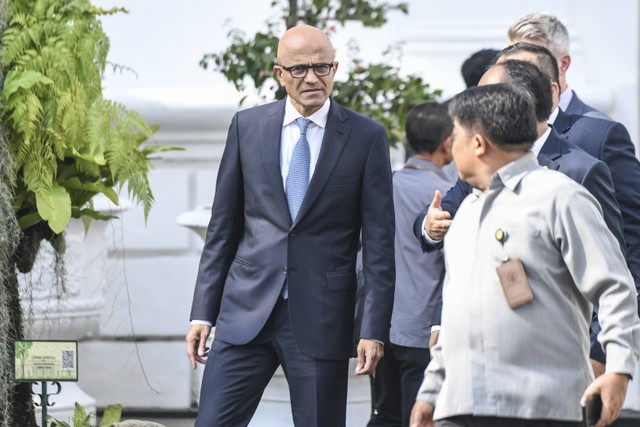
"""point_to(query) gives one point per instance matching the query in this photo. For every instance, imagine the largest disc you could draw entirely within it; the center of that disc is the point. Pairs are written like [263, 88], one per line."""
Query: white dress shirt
[291, 134]
[565, 98]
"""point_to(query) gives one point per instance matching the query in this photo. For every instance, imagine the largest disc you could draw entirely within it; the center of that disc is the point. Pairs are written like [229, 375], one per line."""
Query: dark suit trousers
[395, 384]
[471, 421]
[235, 378]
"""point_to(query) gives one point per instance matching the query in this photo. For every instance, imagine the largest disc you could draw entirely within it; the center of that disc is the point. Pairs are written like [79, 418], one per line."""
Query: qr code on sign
[68, 359]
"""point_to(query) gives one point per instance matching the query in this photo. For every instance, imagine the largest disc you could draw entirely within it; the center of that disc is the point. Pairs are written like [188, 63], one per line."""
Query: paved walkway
[627, 419]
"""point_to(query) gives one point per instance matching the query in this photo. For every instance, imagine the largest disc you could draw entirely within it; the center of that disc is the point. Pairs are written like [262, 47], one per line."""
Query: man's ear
[446, 145]
[564, 62]
[480, 145]
[555, 90]
[278, 72]
[446, 149]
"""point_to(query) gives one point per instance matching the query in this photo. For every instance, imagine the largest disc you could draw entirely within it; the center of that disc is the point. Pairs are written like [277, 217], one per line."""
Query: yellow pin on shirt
[501, 235]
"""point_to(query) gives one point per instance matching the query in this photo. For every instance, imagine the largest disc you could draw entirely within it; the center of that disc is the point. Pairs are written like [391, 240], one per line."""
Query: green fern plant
[68, 142]
[61, 144]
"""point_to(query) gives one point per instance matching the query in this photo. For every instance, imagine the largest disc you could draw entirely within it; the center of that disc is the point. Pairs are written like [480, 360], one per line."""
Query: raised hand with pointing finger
[437, 221]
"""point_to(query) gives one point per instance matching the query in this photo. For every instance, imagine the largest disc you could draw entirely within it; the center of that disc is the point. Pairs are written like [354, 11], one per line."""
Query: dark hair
[526, 75]
[502, 113]
[475, 66]
[427, 126]
[546, 61]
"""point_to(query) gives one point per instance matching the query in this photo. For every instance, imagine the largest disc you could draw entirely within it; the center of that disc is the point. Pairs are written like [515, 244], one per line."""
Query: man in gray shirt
[398, 376]
[527, 257]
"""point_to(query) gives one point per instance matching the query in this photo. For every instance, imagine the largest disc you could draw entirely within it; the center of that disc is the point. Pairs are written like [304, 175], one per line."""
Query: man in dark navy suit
[552, 150]
[300, 181]
[546, 30]
[605, 140]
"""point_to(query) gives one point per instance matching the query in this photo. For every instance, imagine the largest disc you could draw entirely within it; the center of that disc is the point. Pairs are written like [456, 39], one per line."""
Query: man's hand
[196, 343]
[598, 367]
[369, 354]
[437, 222]
[433, 340]
[612, 388]
[422, 415]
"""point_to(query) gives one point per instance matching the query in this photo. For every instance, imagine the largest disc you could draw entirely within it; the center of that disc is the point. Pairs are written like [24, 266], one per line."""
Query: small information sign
[39, 360]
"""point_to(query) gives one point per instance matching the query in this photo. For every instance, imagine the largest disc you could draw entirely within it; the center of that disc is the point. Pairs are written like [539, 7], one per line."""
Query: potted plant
[61, 144]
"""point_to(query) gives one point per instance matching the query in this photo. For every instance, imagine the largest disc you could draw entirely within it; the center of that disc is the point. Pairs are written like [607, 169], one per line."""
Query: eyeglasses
[300, 71]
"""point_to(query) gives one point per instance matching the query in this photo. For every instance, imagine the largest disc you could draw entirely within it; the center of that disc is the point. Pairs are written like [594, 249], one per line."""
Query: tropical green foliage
[377, 90]
[61, 144]
[111, 415]
[68, 143]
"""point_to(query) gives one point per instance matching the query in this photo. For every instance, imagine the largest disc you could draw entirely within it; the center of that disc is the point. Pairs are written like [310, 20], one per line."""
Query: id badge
[514, 283]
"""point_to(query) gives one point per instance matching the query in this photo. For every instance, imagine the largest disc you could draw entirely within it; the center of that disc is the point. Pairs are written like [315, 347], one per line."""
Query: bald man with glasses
[300, 181]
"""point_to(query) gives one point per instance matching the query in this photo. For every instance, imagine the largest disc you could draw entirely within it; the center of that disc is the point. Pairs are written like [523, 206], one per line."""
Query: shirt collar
[565, 98]
[511, 174]
[427, 165]
[539, 143]
[553, 116]
[319, 117]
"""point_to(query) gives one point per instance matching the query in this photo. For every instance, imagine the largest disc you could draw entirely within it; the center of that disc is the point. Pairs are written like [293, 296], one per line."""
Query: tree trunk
[19, 403]
[292, 18]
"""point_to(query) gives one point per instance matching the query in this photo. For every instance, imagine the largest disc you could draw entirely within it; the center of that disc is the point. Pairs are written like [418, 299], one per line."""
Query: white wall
[153, 266]
[163, 41]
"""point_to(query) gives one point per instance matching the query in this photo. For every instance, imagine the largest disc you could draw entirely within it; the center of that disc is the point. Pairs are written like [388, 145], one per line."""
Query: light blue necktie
[298, 177]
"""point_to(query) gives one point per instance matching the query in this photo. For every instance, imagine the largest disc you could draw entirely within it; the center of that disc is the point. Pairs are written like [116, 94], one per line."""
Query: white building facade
[138, 356]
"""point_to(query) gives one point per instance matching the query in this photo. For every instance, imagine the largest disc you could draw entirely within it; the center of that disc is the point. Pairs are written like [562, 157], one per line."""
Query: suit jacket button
[284, 271]
[292, 233]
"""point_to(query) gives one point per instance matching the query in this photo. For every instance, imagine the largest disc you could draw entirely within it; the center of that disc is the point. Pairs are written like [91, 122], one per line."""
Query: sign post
[45, 361]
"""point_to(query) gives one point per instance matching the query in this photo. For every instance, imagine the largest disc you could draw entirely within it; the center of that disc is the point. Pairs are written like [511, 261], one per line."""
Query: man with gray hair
[545, 29]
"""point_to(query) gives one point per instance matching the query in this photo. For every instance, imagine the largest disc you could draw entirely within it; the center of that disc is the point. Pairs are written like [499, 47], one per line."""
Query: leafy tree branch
[377, 90]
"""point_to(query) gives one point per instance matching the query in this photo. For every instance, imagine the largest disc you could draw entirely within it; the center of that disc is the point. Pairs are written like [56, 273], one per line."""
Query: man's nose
[311, 76]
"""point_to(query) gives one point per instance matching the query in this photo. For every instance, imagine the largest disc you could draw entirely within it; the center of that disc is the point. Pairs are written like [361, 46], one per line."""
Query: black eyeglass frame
[306, 68]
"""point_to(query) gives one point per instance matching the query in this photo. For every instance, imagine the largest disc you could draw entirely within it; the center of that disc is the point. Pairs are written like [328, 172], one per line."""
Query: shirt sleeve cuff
[426, 236]
[201, 322]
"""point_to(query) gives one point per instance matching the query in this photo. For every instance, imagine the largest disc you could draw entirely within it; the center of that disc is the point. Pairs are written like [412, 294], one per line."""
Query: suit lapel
[335, 138]
[270, 135]
[547, 162]
[552, 149]
[562, 123]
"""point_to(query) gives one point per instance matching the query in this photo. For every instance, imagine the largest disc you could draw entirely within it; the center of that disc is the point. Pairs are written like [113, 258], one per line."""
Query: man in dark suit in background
[551, 149]
[475, 65]
[546, 30]
[299, 181]
[605, 140]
